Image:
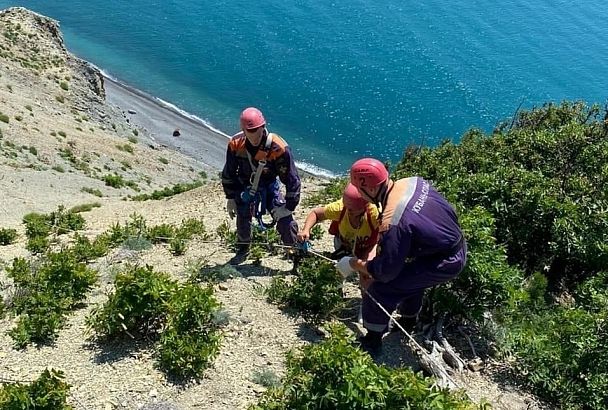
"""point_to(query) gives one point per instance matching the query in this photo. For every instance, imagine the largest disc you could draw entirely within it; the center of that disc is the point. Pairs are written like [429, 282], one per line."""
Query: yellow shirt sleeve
[333, 210]
[374, 213]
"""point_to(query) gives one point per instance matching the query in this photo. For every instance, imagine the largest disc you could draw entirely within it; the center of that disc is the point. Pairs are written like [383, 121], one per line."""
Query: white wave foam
[191, 116]
[315, 170]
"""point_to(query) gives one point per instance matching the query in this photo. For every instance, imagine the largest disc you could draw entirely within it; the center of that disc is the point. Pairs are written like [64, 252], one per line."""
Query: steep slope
[58, 136]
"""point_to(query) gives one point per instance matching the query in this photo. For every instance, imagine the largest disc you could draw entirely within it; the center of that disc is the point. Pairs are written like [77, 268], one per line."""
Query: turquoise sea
[342, 80]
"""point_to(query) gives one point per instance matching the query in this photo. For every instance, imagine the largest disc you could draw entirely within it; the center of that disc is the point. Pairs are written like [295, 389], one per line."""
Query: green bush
[135, 227]
[7, 236]
[48, 392]
[84, 207]
[334, 374]
[316, 292]
[85, 251]
[191, 339]
[163, 160]
[126, 148]
[92, 191]
[544, 181]
[532, 200]
[115, 181]
[64, 85]
[46, 291]
[487, 281]
[162, 233]
[169, 191]
[561, 350]
[138, 305]
[331, 191]
[4, 118]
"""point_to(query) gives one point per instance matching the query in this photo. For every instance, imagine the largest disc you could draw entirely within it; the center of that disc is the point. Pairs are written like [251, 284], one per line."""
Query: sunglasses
[252, 130]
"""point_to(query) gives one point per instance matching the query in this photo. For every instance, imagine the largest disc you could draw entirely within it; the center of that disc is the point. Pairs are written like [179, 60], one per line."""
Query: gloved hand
[344, 268]
[280, 212]
[231, 208]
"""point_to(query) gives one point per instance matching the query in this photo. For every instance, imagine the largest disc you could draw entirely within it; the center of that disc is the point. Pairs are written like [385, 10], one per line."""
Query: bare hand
[303, 235]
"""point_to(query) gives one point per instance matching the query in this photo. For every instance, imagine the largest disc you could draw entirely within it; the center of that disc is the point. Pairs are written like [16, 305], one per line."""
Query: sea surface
[344, 79]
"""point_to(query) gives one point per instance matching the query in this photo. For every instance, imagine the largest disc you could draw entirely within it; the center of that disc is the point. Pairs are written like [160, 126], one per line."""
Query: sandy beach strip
[196, 139]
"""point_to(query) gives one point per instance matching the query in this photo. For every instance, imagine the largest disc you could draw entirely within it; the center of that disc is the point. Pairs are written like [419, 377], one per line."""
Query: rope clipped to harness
[258, 205]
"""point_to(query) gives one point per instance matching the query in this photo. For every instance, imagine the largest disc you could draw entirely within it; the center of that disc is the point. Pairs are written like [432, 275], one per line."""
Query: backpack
[334, 229]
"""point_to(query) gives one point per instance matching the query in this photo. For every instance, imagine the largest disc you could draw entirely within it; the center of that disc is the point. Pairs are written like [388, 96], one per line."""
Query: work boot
[371, 343]
[242, 252]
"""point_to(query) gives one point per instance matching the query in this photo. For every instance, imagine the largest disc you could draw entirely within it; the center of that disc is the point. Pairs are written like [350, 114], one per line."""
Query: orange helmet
[352, 199]
[368, 173]
[252, 118]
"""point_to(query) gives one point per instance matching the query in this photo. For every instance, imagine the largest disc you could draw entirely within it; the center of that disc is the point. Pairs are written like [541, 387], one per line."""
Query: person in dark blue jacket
[420, 245]
[256, 160]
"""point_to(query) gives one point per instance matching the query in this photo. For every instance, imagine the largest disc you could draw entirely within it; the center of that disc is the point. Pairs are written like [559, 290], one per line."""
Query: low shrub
[334, 374]
[169, 191]
[92, 191]
[7, 236]
[115, 181]
[561, 350]
[48, 392]
[45, 292]
[84, 207]
[331, 191]
[126, 148]
[316, 292]
[191, 339]
[139, 304]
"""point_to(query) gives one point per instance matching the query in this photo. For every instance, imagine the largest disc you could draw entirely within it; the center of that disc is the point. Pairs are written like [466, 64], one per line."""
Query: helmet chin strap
[380, 196]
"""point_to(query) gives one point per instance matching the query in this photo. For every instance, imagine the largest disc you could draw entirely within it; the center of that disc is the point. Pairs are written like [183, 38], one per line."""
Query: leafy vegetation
[7, 236]
[168, 191]
[316, 292]
[45, 292]
[92, 191]
[137, 306]
[533, 202]
[191, 339]
[39, 226]
[334, 374]
[330, 192]
[185, 318]
[48, 392]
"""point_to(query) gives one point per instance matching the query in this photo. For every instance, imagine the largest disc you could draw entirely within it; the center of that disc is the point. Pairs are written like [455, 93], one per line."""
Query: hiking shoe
[371, 343]
[242, 252]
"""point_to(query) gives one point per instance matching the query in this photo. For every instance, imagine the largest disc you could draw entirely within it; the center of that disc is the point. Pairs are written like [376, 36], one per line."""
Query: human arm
[394, 246]
[288, 174]
[315, 216]
[230, 182]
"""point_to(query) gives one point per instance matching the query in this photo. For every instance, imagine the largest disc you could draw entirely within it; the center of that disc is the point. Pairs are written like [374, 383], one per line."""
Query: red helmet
[252, 118]
[368, 173]
[352, 199]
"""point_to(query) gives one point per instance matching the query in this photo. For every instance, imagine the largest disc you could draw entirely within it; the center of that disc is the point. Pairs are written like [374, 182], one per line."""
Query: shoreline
[196, 139]
[159, 118]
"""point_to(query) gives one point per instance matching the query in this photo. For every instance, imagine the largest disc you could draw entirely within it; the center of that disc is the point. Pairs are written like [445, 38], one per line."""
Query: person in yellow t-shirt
[354, 224]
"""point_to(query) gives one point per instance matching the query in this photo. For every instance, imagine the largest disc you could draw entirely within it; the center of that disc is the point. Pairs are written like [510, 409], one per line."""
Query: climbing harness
[257, 196]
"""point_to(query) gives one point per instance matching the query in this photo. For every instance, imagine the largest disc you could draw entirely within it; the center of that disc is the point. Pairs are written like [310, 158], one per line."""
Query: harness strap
[255, 180]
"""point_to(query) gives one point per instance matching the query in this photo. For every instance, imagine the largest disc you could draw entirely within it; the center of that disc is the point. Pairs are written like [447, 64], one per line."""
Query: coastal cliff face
[58, 133]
